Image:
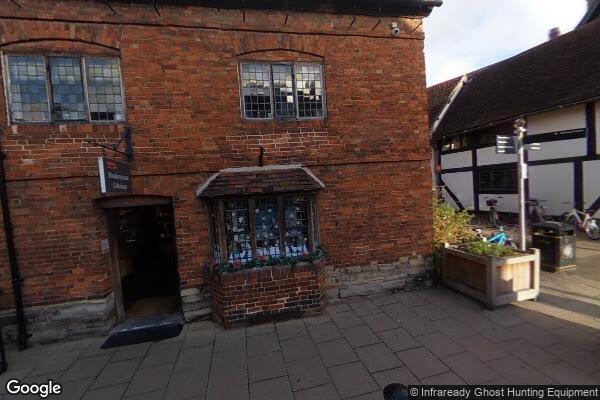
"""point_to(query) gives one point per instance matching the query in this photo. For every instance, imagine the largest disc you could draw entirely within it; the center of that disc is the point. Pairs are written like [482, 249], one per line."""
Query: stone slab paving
[351, 351]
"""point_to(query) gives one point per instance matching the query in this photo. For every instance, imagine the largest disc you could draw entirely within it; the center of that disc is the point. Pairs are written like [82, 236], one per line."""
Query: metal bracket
[125, 138]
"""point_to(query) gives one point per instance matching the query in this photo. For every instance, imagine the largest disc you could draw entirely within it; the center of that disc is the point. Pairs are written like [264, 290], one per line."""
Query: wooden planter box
[266, 294]
[493, 280]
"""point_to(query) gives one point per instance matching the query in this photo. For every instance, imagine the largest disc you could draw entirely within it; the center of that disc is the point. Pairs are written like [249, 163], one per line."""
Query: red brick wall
[267, 294]
[182, 95]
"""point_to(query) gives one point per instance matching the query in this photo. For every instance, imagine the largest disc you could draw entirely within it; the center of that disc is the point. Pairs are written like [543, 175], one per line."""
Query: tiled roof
[561, 72]
[260, 180]
[592, 13]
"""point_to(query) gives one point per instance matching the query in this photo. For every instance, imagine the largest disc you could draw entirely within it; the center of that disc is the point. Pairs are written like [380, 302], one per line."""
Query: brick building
[336, 87]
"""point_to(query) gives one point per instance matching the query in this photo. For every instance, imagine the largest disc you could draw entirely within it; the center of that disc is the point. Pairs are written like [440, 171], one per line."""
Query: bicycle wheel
[569, 218]
[593, 229]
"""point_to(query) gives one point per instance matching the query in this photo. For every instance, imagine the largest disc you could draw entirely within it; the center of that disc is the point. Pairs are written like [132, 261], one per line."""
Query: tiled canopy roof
[260, 180]
[561, 72]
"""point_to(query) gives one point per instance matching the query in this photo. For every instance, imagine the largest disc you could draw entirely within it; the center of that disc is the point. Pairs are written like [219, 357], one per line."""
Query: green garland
[261, 262]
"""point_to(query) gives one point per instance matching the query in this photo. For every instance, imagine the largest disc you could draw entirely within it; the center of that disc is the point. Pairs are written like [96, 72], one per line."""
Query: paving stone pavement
[351, 351]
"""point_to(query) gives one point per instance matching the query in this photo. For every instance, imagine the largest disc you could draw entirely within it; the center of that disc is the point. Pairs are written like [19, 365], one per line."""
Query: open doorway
[147, 260]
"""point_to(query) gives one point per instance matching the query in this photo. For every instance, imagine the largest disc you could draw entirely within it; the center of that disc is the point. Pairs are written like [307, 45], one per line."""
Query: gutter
[453, 95]
[17, 281]
[379, 8]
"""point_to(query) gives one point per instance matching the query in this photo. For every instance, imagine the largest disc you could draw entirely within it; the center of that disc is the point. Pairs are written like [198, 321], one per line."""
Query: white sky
[464, 35]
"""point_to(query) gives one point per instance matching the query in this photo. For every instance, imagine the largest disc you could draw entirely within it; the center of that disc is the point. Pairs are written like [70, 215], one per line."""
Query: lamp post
[516, 144]
[519, 131]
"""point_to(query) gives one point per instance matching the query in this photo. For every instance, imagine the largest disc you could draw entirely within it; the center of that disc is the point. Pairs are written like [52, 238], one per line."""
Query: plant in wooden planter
[449, 226]
[492, 274]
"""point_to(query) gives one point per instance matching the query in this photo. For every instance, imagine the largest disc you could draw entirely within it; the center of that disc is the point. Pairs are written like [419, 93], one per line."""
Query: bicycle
[583, 220]
[492, 213]
[502, 239]
[537, 212]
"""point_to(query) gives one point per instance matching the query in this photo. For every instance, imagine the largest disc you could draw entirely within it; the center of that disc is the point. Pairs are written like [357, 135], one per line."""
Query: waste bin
[556, 242]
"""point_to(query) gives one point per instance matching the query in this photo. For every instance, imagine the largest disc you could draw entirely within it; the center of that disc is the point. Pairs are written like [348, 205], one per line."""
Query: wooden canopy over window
[271, 179]
[262, 212]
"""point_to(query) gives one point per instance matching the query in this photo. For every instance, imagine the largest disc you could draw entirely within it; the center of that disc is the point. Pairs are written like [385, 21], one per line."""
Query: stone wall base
[57, 322]
[408, 273]
[195, 303]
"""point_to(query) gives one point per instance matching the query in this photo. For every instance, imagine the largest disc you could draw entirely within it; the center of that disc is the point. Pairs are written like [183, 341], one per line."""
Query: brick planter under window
[266, 294]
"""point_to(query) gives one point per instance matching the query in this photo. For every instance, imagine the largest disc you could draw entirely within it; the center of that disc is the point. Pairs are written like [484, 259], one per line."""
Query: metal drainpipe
[22, 335]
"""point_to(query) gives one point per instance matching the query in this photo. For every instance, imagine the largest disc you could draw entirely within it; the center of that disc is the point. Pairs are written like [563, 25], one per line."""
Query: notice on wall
[115, 176]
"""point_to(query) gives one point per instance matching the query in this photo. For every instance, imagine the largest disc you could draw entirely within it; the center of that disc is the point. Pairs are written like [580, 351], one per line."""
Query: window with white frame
[279, 90]
[63, 88]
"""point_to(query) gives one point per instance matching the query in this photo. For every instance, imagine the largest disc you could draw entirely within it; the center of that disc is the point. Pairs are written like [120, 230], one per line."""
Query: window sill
[285, 123]
[59, 123]
[266, 269]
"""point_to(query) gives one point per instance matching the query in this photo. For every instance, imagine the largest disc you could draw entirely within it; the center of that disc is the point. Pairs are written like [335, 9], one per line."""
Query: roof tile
[563, 71]
[259, 180]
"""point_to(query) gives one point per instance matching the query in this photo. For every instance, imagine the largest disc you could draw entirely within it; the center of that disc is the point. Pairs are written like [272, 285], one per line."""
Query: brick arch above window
[60, 46]
[281, 55]
[94, 34]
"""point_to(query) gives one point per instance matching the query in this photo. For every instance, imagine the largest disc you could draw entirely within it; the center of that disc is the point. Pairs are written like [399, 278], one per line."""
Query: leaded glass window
[263, 227]
[309, 88]
[43, 89]
[104, 89]
[28, 93]
[256, 87]
[68, 103]
[296, 225]
[237, 230]
[282, 90]
[267, 227]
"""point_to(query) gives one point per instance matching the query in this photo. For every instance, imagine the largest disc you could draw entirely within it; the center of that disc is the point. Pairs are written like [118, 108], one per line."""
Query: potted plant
[492, 274]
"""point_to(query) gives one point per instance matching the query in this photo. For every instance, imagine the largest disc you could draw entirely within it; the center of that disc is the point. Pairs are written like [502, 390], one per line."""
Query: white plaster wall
[457, 160]
[557, 120]
[461, 184]
[553, 183]
[598, 127]
[487, 156]
[506, 202]
[591, 182]
[560, 149]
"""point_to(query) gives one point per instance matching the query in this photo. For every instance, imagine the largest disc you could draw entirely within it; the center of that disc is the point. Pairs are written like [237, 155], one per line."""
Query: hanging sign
[115, 176]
